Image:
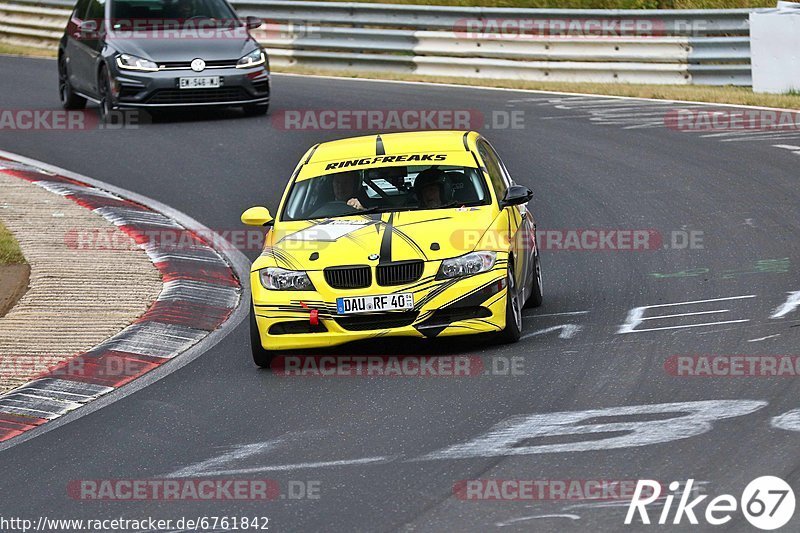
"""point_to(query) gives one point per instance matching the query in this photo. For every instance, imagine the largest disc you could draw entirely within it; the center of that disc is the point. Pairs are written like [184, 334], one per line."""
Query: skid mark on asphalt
[567, 331]
[765, 338]
[536, 517]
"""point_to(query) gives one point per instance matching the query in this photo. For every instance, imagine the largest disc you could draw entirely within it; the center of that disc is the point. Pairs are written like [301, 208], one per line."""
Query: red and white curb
[201, 292]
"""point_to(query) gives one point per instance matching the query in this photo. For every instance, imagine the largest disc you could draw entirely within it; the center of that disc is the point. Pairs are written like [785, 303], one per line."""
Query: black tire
[261, 357]
[106, 98]
[513, 329]
[537, 294]
[69, 100]
[256, 110]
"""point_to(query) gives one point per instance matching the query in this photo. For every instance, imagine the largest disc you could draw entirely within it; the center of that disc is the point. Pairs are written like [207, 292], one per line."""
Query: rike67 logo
[767, 503]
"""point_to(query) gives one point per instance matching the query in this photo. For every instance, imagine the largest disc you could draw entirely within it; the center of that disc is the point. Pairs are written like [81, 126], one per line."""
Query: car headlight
[128, 62]
[253, 59]
[279, 279]
[467, 265]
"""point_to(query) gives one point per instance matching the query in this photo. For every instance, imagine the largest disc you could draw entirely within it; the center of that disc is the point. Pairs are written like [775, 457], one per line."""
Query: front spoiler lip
[126, 105]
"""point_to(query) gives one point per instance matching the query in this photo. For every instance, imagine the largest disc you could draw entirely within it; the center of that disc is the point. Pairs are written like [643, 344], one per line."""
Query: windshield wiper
[376, 209]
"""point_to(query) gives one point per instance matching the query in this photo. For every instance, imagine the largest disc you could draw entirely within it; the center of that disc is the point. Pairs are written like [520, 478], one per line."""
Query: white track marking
[210, 466]
[792, 303]
[788, 147]
[535, 517]
[691, 326]
[571, 313]
[690, 419]
[567, 331]
[765, 338]
[636, 315]
[703, 301]
[300, 466]
[686, 314]
[788, 421]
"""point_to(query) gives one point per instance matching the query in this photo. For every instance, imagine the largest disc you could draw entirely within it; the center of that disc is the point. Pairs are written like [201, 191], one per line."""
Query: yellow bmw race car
[402, 234]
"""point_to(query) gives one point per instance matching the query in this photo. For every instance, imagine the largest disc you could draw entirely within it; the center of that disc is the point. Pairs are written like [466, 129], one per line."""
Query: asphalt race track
[382, 450]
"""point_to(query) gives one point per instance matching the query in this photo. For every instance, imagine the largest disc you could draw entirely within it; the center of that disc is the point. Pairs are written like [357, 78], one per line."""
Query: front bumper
[470, 305]
[135, 89]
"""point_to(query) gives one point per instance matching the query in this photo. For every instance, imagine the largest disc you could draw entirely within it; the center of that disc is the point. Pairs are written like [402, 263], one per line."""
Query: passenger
[433, 189]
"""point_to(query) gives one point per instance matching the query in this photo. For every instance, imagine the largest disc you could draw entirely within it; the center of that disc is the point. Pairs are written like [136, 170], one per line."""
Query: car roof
[392, 144]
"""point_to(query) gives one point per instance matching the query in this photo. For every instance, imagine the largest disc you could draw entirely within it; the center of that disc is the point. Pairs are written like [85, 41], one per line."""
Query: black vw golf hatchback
[151, 54]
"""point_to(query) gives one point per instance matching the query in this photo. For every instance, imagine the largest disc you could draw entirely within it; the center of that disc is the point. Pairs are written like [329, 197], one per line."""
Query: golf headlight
[253, 59]
[129, 62]
[467, 265]
[279, 279]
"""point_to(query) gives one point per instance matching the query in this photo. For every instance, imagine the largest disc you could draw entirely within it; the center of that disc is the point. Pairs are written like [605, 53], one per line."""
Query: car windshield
[128, 14]
[402, 188]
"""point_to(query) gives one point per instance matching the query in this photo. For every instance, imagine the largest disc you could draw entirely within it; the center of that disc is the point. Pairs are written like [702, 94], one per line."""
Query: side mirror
[253, 23]
[257, 216]
[88, 27]
[516, 195]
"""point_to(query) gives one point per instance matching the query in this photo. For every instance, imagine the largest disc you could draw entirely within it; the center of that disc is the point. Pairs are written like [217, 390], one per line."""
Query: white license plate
[200, 82]
[377, 303]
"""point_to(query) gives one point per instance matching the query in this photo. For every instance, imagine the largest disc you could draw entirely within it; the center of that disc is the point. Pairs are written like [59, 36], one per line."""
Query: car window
[494, 168]
[80, 9]
[96, 10]
[399, 188]
[157, 12]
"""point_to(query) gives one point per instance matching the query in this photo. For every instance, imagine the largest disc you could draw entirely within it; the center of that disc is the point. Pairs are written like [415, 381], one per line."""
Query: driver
[433, 188]
[184, 10]
[345, 189]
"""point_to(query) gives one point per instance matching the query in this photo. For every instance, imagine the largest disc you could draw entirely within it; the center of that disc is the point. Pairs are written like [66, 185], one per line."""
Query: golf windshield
[139, 14]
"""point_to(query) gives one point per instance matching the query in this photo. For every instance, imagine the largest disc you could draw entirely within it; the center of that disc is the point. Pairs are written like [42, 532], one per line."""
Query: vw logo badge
[198, 65]
[374, 257]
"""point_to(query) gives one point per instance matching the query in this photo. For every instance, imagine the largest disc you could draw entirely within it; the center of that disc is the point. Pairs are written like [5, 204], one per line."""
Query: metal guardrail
[678, 46]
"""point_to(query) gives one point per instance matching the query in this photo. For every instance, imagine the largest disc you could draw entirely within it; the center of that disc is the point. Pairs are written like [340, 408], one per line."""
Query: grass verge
[10, 254]
[14, 272]
[28, 51]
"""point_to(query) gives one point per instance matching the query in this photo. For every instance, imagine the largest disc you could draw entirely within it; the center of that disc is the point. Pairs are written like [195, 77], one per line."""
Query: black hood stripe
[386, 241]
